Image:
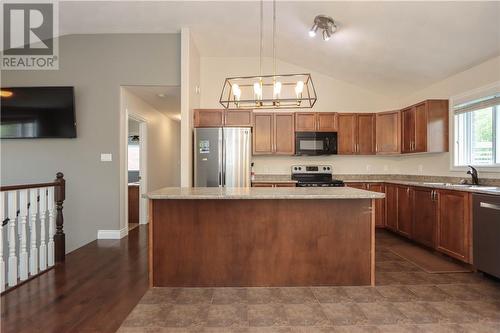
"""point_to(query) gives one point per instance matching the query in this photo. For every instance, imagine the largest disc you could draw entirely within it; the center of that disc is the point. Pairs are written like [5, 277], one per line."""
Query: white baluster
[52, 223]
[12, 214]
[43, 213]
[2, 263]
[23, 253]
[33, 248]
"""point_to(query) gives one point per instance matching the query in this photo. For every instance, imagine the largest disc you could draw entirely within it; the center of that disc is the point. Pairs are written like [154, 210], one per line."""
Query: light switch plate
[106, 157]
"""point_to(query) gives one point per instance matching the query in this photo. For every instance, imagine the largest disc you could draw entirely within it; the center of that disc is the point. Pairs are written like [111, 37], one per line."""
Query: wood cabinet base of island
[249, 243]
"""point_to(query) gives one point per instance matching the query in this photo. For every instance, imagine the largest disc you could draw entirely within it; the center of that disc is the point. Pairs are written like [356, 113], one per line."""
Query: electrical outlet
[368, 167]
[106, 157]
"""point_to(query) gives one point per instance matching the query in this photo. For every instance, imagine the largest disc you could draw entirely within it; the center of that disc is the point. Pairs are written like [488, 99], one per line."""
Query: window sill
[482, 168]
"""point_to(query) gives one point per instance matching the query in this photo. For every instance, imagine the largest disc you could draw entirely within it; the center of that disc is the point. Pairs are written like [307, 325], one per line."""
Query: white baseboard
[112, 234]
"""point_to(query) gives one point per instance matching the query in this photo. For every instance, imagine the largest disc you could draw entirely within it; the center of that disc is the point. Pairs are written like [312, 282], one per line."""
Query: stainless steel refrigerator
[222, 157]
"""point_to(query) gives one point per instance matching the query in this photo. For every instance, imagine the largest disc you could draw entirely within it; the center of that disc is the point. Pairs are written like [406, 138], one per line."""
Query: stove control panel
[312, 169]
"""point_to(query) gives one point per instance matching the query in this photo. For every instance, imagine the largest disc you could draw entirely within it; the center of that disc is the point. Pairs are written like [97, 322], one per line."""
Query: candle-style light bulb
[277, 89]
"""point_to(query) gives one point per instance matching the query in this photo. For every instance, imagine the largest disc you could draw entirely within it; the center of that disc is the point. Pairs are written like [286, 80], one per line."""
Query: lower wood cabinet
[257, 184]
[424, 216]
[454, 224]
[405, 210]
[133, 204]
[391, 207]
[439, 219]
[379, 203]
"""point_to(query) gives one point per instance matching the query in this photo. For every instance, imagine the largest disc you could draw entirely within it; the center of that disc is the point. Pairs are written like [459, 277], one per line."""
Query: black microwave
[315, 143]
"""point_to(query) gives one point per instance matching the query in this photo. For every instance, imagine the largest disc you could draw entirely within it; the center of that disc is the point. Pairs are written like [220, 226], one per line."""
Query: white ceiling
[391, 48]
[168, 103]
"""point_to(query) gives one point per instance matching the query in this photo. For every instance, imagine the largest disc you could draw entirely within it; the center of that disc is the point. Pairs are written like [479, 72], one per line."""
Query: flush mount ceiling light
[326, 24]
[289, 91]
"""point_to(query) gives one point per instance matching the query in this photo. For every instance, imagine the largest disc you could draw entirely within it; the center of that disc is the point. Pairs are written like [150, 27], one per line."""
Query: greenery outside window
[477, 132]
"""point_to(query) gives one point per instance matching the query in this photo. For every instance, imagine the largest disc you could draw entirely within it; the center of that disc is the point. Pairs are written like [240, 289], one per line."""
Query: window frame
[463, 98]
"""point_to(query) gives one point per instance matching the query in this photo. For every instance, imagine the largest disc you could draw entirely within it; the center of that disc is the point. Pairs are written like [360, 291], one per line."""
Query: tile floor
[406, 299]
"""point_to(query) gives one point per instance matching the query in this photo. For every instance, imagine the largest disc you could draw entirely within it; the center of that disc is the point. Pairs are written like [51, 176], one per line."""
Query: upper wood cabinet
[454, 224]
[273, 133]
[221, 117]
[388, 133]
[424, 127]
[316, 122]
[356, 133]
[238, 118]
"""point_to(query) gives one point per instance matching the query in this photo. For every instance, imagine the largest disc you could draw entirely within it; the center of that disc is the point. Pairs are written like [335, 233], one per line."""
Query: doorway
[136, 170]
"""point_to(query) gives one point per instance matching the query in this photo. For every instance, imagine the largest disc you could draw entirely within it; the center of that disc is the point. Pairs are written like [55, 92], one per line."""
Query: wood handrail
[27, 186]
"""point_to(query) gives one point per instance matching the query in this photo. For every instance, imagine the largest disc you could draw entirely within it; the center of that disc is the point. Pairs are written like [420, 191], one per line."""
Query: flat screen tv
[37, 112]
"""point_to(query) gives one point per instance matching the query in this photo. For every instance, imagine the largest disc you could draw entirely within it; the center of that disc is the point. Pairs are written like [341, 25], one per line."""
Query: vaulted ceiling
[391, 48]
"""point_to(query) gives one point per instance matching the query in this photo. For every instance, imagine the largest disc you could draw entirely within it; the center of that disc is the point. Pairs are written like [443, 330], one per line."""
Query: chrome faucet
[473, 172]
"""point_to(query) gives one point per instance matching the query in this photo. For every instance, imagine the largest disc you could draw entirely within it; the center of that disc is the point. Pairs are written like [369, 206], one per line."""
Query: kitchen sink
[447, 184]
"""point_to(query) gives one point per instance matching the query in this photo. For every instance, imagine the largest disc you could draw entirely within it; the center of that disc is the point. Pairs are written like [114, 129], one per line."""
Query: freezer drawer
[486, 231]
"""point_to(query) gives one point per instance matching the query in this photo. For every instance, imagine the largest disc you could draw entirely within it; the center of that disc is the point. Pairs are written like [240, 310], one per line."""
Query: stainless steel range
[315, 176]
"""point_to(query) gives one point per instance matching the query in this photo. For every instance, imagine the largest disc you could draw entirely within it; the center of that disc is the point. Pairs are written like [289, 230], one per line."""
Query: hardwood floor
[94, 291]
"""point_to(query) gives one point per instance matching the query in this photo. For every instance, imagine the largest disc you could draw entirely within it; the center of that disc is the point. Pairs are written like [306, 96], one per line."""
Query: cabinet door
[346, 133]
[361, 186]
[366, 134]
[262, 185]
[284, 185]
[420, 143]
[305, 122]
[208, 118]
[326, 121]
[133, 204]
[284, 134]
[263, 133]
[388, 133]
[391, 207]
[407, 129]
[454, 224]
[379, 204]
[238, 118]
[405, 214]
[424, 216]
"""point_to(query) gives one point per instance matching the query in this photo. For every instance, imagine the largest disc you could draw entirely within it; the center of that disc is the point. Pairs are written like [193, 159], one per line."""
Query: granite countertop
[446, 183]
[484, 189]
[262, 193]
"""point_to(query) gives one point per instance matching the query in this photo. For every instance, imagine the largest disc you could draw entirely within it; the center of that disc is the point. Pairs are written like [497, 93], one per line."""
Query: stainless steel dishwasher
[486, 231]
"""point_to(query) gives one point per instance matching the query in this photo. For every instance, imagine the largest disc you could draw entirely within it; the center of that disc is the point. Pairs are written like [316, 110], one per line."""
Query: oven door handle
[489, 205]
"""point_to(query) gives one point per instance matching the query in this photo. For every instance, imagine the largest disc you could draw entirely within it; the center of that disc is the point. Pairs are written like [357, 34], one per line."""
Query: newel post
[59, 236]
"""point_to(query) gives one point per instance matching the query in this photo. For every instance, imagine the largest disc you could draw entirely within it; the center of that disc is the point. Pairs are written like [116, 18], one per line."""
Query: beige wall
[96, 65]
[163, 142]
[334, 95]
[339, 96]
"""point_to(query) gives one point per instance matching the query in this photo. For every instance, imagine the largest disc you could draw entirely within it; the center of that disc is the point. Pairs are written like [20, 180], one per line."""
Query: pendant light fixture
[268, 91]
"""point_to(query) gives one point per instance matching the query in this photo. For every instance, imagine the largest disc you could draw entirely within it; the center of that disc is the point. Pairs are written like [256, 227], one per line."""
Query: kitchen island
[235, 237]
